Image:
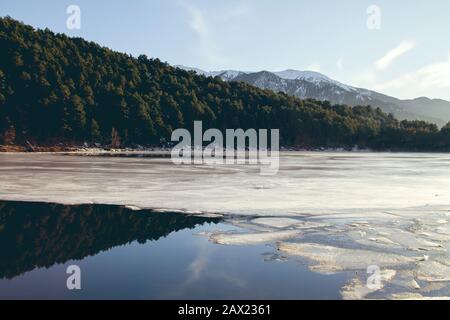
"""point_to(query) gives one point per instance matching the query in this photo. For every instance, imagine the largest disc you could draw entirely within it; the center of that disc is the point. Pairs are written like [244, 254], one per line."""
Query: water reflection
[36, 235]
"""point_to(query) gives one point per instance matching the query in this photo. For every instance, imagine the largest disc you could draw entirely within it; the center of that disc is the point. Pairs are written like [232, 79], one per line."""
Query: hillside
[314, 85]
[57, 89]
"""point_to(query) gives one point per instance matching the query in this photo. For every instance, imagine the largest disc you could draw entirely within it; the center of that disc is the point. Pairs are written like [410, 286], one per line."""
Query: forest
[56, 89]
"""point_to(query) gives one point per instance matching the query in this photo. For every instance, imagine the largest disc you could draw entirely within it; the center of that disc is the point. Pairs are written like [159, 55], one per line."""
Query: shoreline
[165, 151]
[131, 207]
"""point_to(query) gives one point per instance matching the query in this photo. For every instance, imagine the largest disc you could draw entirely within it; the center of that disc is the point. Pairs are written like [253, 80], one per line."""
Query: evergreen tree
[95, 131]
[56, 88]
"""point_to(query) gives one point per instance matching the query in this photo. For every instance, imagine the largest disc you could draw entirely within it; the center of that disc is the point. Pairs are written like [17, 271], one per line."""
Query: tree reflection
[41, 235]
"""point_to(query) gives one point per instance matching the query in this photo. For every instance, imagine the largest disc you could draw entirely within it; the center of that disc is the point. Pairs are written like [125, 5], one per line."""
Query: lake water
[125, 254]
[312, 231]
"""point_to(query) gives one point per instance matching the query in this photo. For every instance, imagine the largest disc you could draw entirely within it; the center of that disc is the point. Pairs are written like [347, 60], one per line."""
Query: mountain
[227, 75]
[314, 85]
[59, 90]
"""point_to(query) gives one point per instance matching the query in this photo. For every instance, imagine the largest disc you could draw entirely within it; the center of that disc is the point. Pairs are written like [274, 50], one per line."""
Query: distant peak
[301, 75]
[225, 74]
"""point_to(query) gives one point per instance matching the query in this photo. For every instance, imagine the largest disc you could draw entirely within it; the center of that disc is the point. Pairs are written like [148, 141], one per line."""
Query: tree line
[57, 89]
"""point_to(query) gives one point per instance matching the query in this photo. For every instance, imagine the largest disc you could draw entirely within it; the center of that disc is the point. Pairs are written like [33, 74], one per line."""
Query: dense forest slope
[58, 89]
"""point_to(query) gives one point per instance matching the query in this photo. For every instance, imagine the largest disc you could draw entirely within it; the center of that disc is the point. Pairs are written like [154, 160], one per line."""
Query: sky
[399, 47]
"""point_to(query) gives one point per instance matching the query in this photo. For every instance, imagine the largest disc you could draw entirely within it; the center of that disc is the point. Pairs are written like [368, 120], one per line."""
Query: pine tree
[78, 115]
[115, 138]
[95, 131]
[9, 136]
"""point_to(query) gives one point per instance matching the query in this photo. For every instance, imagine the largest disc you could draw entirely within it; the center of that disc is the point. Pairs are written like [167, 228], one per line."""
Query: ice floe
[358, 290]
[328, 259]
[252, 238]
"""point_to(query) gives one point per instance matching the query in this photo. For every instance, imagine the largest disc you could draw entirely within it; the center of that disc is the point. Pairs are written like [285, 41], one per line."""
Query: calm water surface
[125, 254]
[310, 231]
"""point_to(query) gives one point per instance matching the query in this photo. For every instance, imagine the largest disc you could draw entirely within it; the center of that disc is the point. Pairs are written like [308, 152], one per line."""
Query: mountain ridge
[315, 85]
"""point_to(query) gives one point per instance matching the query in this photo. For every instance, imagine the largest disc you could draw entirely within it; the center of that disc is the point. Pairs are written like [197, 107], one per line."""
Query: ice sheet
[340, 212]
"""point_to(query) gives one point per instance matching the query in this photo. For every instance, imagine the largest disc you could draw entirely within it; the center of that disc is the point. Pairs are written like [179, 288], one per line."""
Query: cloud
[197, 21]
[394, 54]
[436, 75]
[206, 24]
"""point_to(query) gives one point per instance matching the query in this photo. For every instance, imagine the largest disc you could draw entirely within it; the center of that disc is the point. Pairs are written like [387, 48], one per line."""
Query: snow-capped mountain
[227, 75]
[314, 85]
[310, 76]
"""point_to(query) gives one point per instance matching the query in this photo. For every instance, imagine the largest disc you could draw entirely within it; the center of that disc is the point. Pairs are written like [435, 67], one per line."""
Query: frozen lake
[307, 183]
[340, 212]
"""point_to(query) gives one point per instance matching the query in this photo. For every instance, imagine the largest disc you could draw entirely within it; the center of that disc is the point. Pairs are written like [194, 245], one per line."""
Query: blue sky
[409, 56]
